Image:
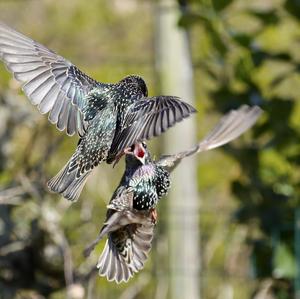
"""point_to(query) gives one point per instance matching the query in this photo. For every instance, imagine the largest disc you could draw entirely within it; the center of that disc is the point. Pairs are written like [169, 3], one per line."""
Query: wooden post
[176, 77]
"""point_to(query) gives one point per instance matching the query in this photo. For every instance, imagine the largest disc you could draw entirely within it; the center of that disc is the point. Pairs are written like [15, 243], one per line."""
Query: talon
[120, 155]
[153, 215]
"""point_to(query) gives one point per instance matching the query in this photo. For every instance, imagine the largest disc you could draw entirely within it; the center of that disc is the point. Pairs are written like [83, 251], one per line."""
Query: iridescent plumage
[131, 218]
[107, 117]
[132, 207]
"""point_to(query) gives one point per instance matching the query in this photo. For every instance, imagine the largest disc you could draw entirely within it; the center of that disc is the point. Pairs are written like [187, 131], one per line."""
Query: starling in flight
[107, 117]
[131, 214]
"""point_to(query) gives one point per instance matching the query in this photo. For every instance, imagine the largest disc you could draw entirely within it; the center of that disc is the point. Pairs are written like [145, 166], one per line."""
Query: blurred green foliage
[243, 52]
[249, 52]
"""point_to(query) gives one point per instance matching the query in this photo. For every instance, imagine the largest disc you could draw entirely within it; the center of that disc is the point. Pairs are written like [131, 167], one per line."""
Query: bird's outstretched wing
[51, 82]
[231, 126]
[147, 118]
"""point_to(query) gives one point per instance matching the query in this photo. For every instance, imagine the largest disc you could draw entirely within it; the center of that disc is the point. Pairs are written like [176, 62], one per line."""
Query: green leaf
[284, 262]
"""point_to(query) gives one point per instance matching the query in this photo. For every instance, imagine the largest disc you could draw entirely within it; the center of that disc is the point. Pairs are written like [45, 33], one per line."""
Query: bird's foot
[153, 215]
[120, 155]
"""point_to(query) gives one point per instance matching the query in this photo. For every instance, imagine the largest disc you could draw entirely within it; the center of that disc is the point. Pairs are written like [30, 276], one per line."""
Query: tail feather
[136, 262]
[111, 269]
[112, 265]
[124, 255]
[67, 182]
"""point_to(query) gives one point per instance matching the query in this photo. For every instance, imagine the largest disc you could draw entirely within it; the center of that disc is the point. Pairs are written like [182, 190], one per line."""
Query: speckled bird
[107, 117]
[131, 215]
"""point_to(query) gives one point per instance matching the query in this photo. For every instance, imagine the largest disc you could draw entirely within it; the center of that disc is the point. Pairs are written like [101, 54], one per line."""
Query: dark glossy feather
[147, 118]
[90, 152]
[130, 235]
[108, 117]
[125, 252]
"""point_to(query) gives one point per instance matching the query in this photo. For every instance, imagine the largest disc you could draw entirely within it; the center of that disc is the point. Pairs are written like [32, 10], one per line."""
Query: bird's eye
[132, 148]
[144, 145]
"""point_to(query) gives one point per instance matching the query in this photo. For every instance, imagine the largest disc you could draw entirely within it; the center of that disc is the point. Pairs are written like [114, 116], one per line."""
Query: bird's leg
[153, 215]
[87, 251]
[120, 155]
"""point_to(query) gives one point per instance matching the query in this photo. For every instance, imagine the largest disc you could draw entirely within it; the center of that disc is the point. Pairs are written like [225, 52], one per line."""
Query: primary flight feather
[107, 117]
[131, 214]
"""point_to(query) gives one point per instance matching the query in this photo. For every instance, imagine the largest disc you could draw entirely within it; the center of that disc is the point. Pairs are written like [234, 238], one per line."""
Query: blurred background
[230, 228]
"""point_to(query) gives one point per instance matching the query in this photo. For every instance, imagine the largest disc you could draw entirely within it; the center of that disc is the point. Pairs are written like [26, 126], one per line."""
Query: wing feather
[130, 234]
[54, 113]
[231, 126]
[147, 118]
[47, 79]
[49, 99]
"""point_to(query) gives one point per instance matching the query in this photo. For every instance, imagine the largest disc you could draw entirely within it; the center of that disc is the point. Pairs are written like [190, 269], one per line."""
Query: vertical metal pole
[176, 78]
[297, 253]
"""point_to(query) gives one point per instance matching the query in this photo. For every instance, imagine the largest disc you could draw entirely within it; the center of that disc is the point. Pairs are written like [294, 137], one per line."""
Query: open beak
[139, 152]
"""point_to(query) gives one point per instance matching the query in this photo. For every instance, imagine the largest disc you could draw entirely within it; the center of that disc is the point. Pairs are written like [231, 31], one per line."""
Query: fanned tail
[69, 181]
[125, 252]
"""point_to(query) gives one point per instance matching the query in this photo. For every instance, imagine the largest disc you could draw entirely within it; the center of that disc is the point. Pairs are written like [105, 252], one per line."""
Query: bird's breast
[143, 183]
[147, 172]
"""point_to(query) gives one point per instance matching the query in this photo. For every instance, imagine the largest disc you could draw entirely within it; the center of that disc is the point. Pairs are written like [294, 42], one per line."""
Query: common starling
[131, 214]
[107, 117]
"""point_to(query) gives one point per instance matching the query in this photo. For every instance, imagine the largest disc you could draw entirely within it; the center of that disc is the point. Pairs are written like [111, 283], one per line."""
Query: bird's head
[138, 81]
[137, 154]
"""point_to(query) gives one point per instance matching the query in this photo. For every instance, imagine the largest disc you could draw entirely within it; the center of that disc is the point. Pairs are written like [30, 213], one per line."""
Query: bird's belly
[96, 143]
